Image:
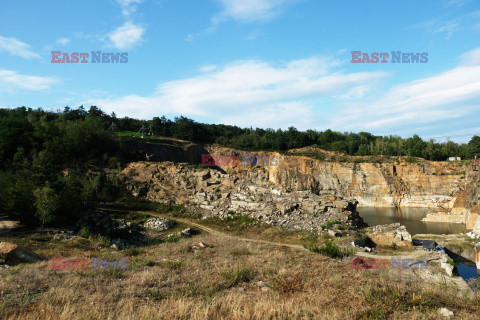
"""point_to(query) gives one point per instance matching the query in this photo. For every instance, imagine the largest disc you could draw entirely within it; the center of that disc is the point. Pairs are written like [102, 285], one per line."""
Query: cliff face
[426, 184]
[447, 187]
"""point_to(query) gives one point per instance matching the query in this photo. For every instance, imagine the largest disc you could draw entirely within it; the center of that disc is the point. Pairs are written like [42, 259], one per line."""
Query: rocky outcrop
[213, 192]
[12, 254]
[390, 235]
[447, 187]
[160, 224]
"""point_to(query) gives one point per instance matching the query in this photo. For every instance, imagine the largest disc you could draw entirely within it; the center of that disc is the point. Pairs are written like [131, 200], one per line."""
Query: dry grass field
[228, 278]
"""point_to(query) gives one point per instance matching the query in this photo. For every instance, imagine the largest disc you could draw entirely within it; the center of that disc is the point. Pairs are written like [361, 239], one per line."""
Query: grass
[331, 250]
[169, 280]
[237, 274]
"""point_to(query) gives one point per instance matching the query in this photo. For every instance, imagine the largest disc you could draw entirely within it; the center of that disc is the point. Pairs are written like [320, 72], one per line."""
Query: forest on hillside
[38, 148]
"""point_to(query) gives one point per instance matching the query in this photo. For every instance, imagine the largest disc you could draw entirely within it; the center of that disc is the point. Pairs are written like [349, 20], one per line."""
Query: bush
[84, 232]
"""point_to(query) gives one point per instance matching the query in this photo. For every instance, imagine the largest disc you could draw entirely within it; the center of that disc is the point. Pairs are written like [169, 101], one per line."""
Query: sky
[252, 63]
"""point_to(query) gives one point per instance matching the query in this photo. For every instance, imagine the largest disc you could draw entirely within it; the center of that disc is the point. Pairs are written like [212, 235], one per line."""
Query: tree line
[49, 161]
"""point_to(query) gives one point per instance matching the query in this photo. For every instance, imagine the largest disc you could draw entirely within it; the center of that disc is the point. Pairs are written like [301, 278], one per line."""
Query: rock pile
[123, 234]
[160, 224]
[390, 234]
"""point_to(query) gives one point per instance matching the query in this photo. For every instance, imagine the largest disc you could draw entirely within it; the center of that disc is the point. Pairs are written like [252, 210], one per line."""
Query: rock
[390, 234]
[366, 243]
[160, 224]
[13, 254]
[187, 233]
[477, 258]
[445, 313]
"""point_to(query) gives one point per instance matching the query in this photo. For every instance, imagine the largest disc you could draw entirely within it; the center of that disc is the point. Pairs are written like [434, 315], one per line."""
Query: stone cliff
[448, 187]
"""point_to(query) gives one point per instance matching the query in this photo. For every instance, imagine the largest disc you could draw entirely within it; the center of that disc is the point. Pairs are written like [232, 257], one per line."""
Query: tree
[474, 146]
[46, 203]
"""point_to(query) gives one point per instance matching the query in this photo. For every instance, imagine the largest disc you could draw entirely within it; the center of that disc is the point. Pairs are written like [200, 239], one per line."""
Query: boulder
[391, 234]
[12, 254]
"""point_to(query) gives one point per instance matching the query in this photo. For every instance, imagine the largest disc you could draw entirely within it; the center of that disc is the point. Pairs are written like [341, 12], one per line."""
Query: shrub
[84, 232]
[287, 284]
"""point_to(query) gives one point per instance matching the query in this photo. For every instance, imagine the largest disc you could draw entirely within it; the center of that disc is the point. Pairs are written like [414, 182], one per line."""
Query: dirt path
[225, 235]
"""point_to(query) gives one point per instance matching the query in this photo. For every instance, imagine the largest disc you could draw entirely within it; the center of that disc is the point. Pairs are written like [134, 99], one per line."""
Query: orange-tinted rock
[13, 254]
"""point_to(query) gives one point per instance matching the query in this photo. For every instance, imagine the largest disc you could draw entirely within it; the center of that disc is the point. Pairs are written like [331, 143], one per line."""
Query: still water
[411, 218]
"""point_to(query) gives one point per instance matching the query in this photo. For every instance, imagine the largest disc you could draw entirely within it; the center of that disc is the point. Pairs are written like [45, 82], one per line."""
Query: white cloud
[17, 48]
[129, 6]
[12, 81]
[245, 88]
[452, 94]
[63, 41]
[126, 36]
[250, 10]
[435, 26]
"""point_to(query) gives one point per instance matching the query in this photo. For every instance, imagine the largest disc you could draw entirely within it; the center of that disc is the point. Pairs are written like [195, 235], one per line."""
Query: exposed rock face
[218, 193]
[12, 254]
[449, 187]
[390, 234]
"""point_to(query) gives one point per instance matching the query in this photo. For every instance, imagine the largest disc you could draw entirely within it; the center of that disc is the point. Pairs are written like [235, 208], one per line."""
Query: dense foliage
[46, 158]
[44, 161]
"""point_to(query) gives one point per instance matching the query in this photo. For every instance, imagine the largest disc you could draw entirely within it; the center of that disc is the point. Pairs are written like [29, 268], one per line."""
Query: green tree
[46, 203]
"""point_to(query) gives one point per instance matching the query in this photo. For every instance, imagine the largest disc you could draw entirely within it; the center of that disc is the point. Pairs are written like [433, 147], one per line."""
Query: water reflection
[410, 218]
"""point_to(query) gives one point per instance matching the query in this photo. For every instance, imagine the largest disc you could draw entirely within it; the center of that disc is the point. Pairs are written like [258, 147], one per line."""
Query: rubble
[160, 224]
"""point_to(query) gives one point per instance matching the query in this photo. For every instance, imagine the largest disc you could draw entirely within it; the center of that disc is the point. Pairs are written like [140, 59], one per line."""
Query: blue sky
[259, 63]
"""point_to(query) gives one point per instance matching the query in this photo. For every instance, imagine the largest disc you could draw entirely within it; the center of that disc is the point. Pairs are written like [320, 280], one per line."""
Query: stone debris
[12, 254]
[160, 224]
[123, 234]
[444, 312]
[390, 234]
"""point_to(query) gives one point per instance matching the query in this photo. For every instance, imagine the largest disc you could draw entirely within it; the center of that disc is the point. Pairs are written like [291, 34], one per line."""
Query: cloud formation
[450, 95]
[242, 88]
[250, 10]
[12, 82]
[17, 48]
[127, 36]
